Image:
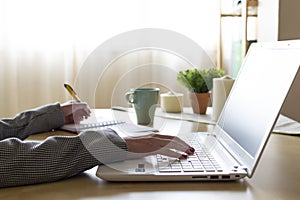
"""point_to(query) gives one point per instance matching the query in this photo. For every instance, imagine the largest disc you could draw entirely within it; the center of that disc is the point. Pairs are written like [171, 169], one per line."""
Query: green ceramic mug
[144, 101]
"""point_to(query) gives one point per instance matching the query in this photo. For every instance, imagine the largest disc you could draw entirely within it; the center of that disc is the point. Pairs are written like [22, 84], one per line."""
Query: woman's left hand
[152, 144]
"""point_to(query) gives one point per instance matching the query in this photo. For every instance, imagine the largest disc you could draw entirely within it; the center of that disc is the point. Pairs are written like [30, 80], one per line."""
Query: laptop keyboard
[200, 161]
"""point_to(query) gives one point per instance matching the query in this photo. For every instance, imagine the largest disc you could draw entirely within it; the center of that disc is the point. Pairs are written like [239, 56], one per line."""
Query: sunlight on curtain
[44, 43]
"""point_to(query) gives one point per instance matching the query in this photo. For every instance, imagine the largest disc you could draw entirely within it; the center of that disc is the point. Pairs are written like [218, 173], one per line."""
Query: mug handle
[130, 97]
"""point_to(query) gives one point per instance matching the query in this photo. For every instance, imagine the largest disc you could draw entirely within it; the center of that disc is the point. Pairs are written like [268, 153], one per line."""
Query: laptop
[233, 149]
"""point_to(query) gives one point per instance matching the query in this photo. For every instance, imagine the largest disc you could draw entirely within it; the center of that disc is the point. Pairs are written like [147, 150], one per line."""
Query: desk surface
[277, 177]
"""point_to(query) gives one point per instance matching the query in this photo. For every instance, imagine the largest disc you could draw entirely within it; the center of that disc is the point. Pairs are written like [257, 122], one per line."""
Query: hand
[152, 144]
[74, 112]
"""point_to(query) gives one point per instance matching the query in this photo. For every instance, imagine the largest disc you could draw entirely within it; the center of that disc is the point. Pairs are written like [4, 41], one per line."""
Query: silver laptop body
[243, 128]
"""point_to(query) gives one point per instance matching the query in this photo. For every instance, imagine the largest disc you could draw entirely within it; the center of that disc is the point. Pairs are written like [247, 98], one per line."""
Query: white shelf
[247, 9]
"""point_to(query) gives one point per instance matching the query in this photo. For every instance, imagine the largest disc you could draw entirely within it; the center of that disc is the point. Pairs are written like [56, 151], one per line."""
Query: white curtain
[44, 43]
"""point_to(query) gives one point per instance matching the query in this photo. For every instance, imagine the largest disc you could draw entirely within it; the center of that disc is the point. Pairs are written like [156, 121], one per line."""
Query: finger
[77, 120]
[80, 115]
[83, 112]
[170, 153]
[173, 143]
[81, 107]
[87, 108]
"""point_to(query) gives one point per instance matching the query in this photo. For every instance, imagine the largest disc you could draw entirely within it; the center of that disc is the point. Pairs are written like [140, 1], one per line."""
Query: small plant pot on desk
[199, 102]
[199, 82]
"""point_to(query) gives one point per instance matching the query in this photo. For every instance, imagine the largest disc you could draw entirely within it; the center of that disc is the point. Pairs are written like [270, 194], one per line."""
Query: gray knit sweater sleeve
[41, 119]
[55, 158]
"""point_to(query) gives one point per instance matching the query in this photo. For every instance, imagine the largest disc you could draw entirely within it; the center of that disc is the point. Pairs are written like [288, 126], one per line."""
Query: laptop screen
[258, 94]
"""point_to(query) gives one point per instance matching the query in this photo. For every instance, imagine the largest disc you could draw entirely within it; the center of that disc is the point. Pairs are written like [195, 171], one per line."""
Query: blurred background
[45, 43]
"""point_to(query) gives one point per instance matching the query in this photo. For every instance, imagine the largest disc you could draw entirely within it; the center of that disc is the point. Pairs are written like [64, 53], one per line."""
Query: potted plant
[199, 82]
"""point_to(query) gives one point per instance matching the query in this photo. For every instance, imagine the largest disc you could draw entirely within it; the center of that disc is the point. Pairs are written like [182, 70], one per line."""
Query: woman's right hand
[74, 112]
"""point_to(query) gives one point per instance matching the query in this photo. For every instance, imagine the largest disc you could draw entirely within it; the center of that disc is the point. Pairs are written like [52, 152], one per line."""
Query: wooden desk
[277, 177]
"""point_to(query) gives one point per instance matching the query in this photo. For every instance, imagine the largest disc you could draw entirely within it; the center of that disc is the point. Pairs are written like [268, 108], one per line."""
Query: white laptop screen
[257, 95]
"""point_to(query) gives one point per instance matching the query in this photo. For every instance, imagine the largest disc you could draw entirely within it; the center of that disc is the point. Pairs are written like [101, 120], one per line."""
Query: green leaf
[199, 80]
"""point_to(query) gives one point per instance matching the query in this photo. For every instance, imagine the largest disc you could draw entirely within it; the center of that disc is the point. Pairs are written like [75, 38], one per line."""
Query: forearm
[56, 158]
[41, 119]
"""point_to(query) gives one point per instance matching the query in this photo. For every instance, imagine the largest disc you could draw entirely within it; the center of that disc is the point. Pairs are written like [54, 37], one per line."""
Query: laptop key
[193, 170]
[187, 167]
[164, 169]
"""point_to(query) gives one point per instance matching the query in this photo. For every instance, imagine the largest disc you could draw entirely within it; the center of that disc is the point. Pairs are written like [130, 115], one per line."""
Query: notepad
[85, 126]
[123, 128]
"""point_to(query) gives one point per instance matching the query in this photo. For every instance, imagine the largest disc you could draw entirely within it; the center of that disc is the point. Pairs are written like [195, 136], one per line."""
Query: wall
[278, 20]
[289, 23]
[268, 20]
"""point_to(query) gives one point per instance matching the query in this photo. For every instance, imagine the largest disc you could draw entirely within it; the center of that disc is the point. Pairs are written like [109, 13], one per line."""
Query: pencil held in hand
[72, 92]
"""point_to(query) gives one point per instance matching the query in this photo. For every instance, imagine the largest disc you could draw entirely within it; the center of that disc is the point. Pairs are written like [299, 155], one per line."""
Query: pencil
[72, 92]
